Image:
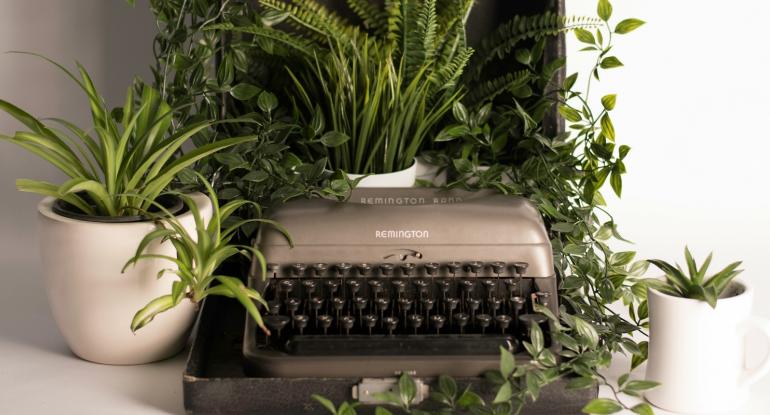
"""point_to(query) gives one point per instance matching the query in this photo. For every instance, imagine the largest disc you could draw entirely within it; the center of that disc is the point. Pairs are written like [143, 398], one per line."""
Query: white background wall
[693, 105]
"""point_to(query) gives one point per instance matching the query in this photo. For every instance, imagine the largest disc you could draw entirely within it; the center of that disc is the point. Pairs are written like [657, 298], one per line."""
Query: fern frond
[449, 73]
[520, 28]
[314, 17]
[393, 15]
[291, 41]
[489, 89]
[372, 16]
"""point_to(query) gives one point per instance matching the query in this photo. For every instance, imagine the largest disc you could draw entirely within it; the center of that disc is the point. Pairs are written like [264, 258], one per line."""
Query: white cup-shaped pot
[697, 353]
[430, 172]
[93, 302]
[401, 178]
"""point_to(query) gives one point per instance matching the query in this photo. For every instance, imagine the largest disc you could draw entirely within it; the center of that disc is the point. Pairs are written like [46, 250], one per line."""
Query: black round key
[512, 284]
[375, 286]
[320, 269]
[468, 285]
[462, 320]
[300, 322]
[370, 320]
[360, 302]
[326, 321]
[503, 321]
[390, 323]
[475, 266]
[404, 304]
[437, 321]
[364, 269]
[494, 305]
[338, 303]
[431, 268]
[483, 320]
[299, 269]
[518, 303]
[498, 267]
[490, 285]
[353, 286]
[343, 268]
[422, 285]
[427, 304]
[292, 304]
[474, 304]
[407, 268]
[415, 321]
[274, 307]
[543, 297]
[331, 286]
[287, 286]
[452, 303]
[386, 269]
[309, 285]
[520, 268]
[276, 323]
[382, 304]
[453, 267]
[399, 286]
[316, 303]
[443, 285]
[347, 323]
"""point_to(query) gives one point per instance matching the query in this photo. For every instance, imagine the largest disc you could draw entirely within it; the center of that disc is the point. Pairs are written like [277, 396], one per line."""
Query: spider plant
[199, 256]
[123, 163]
[695, 285]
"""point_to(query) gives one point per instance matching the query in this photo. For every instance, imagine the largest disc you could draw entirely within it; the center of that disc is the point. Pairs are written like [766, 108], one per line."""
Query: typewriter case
[489, 249]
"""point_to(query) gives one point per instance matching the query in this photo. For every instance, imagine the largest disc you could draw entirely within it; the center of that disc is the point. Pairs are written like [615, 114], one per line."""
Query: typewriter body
[421, 280]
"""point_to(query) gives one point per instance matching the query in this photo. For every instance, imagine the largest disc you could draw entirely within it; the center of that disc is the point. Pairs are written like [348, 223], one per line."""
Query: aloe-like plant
[369, 95]
[199, 256]
[696, 285]
[126, 160]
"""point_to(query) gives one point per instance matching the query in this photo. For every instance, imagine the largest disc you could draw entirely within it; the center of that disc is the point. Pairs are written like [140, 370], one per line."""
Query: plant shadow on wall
[416, 87]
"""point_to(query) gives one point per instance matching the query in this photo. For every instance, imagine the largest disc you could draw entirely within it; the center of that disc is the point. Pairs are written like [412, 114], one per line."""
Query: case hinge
[366, 390]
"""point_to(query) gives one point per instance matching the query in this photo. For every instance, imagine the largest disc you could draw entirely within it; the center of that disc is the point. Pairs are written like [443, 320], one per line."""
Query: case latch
[366, 390]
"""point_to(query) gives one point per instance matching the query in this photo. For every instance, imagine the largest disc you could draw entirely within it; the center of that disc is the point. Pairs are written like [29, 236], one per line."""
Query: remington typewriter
[421, 280]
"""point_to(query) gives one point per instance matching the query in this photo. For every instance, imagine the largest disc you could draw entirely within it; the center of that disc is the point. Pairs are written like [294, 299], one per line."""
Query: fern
[508, 35]
[311, 16]
[488, 90]
[448, 75]
[373, 18]
[296, 43]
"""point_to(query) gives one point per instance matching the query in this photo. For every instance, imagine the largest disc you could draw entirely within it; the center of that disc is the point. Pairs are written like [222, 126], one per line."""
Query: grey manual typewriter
[421, 280]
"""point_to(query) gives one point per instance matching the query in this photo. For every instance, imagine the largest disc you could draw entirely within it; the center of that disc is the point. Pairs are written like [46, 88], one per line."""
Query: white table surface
[39, 375]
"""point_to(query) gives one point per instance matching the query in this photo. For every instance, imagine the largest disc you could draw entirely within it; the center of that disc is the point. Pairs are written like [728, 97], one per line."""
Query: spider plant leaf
[153, 256]
[720, 280]
[49, 189]
[161, 233]
[692, 268]
[244, 296]
[152, 309]
[90, 143]
[704, 268]
[95, 190]
[674, 276]
[178, 290]
[55, 159]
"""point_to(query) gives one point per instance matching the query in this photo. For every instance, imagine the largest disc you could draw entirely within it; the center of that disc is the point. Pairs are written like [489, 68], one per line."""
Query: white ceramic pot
[401, 178]
[697, 353]
[93, 303]
[429, 172]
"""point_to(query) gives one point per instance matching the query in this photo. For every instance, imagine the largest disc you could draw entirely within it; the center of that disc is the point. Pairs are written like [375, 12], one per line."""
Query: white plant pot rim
[45, 207]
[400, 178]
[397, 173]
[726, 300]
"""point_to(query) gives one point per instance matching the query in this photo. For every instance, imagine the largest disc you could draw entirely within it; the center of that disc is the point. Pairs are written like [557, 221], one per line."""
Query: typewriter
[418, 280]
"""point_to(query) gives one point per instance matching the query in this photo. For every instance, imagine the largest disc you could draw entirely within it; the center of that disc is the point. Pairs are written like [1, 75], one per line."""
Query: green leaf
[640, 385]
[580, 383]
[610, 62]
[570, 81]
[468, 399]
[382, 411]
[622, 258]
[607, 128]
[563, 227]
[244, 91]
[507, 362]
[334, 139]
[643, 409]
[273, 17]
[569, 113]
[460, 112]
[584, 36]
[451, 132]
[604, 10]
[602, 406]
[152, 309]
[623, 151]
[628, 25]
[523, 56]
[267, 101]
[447, 386]
[616, 181]
[587, 331]
[504, 394]
[325, 403]
[608, 101]
[407, 389]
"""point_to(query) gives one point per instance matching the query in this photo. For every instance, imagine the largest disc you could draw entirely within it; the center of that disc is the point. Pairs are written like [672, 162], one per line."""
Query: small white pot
[697, 353]
[429, 172]
[401, 178]
[93, 303]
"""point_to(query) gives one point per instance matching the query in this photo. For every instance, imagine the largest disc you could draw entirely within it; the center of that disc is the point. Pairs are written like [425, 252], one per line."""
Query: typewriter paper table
[38, 374]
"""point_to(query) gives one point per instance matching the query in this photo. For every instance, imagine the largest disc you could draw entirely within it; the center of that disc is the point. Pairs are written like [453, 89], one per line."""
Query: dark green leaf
[581, 383]
[334, 139]
[616, 181]
[628, 25]
[610, 62]
[504, 393]
[507, 362]
[267, 101]
[244, 92]
[607, 128]
[325, 403]
[407, 389]
[569, 113]
[602, 406]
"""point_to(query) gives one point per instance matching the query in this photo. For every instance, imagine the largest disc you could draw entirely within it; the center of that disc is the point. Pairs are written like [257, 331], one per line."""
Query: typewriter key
[326, 322]
[415, 321]
[386, 269]
[437, 320]
[427, 306]
[300, 322]
[347, 323]
[543, 298]
[316, 303]
[451, 305]
[274, 307]
[498, 267]
[276, 323]
[382, 306]
[483, 320]
[399, 286]
[360, 306]
[494, 305]
[431, 268]
[453, 267]
[503, 321]
[370, 320]
[462, 320]
[299, 269]
[320, 269]
[474, 267]
[404, 305]
[292, 305]
[338, 304]
[364, 269]
[342, 268]
[376, 287]
[407, 269]
[353, 287]
[421, 286]
[520, 268]
[390, 323]
[529, 320]
[473, 306]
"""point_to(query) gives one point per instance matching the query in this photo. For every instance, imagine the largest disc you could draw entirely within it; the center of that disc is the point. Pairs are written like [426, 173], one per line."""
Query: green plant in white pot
[91, 224]
[369, 97]
[698, 326]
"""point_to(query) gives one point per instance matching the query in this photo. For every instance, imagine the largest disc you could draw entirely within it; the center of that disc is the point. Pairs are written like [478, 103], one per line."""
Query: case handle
[752, 375]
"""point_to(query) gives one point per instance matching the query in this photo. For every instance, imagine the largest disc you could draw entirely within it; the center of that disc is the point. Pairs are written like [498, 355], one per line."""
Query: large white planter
[401, 178]
[697, 353]
[427, 172]
[93, 303]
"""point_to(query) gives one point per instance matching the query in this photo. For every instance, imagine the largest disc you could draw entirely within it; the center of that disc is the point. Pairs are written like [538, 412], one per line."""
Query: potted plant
[698, 326]
[369, 99]
[117, 173]
[200, 252]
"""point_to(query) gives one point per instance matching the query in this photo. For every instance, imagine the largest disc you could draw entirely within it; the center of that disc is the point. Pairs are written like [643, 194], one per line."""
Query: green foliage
[694, 284]
[382, 89]
[199, 255]
[133, 158]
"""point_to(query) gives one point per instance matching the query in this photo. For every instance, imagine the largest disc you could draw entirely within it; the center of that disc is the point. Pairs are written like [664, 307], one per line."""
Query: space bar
[378, 345]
